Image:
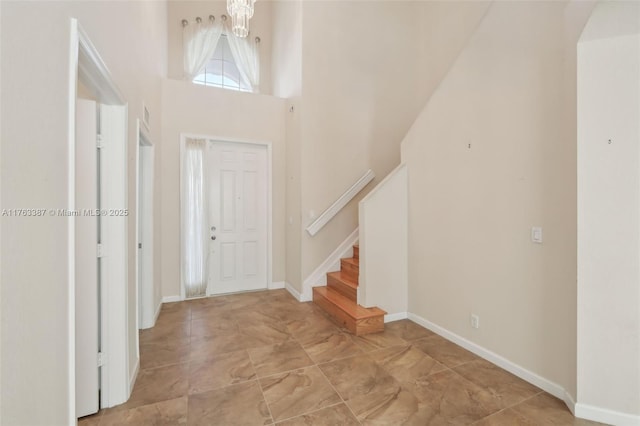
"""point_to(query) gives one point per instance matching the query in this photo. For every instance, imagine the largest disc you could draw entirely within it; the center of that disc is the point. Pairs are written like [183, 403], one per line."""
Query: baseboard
[134, 376]
[395, 317]
[276, 285]
[295, 293]
[331, 264]
[569, 402]
[526, 375]
[169, 299]
[157, 314]
[582, 411]
[603, 415]
[145, 326]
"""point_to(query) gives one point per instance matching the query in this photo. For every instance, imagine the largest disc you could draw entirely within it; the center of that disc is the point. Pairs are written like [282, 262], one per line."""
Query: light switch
[536, 234]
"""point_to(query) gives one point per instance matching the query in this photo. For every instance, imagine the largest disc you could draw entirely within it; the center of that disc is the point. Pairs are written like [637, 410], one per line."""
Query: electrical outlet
[475, 321]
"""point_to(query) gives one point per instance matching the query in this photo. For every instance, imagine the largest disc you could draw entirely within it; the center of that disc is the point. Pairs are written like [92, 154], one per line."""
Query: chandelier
[241, 11]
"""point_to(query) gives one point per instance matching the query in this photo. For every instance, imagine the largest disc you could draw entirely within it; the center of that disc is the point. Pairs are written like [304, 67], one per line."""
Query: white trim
[603, 415]
[157, 314]
[276, 285]
[569, 402]
[344, 199]
[269, 213]
[318, 277]
[74, 43]
[395, 317]
[269, 147]
[295, 293]
[134, 375]
[171, 299]
[93, 71]
[526, 375]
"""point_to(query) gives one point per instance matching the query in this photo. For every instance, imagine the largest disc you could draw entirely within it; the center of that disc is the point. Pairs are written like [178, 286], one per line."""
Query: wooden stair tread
[350, 307]
[356, 251]
[339, 299]
[352, 261]
[344, 278]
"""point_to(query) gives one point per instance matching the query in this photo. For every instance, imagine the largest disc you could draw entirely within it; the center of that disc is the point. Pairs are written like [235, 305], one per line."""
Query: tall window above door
[222, 71]
[214, 56]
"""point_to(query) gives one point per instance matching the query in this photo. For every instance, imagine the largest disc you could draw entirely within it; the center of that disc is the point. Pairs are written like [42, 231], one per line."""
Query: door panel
[227, 200]
[86, 261]
[238, 211]
[251, 261]
[250, 201]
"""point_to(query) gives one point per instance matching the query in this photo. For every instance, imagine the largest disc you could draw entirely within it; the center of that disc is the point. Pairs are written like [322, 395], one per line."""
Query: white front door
[238, 217]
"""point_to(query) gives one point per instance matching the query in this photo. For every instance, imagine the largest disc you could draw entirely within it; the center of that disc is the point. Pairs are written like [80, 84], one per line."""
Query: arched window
[222, 71]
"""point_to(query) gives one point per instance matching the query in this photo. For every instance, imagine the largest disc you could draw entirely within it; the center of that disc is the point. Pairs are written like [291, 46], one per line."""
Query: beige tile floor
[263, 358]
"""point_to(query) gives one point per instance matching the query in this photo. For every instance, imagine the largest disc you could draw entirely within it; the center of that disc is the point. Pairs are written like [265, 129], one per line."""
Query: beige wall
[34, 168]
[287, 83]
[383, 245]
[260, 25]
[294, 194]
[190, 108]
[286, 48]
[511, 95]
[609, 211]
[367, 68]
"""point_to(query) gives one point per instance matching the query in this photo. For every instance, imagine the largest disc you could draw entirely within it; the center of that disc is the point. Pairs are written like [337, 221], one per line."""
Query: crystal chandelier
[241, 11]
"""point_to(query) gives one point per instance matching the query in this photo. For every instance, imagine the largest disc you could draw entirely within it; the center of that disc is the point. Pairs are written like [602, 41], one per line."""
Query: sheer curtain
[195, 246]
[245, 54]
[199, 41]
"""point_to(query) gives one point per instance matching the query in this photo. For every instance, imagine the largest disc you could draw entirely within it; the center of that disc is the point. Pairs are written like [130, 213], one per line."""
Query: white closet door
[238, 212]
[86, 260]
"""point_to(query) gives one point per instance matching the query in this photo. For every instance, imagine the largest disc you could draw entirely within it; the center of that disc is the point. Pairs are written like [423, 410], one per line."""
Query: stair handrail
[339, 204]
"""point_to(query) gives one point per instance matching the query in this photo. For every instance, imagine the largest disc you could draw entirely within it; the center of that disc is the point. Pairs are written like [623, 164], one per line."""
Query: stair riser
[351, 270]
[335, 313]
[369, 325]
[342, 288]
[357, 327]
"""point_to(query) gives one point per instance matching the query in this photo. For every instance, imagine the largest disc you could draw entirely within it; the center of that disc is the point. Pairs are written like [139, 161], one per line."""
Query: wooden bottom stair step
[348, 313]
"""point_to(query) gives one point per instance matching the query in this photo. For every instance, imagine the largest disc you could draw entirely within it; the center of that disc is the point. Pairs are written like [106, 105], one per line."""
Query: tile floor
[263, 358]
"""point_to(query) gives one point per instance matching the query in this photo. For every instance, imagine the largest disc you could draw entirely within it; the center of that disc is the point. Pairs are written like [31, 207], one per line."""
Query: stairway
[339, 299]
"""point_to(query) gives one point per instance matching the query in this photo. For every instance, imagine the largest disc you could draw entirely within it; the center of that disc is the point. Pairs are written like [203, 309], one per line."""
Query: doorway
[148, 300]
[225, 216]
[99, 349]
